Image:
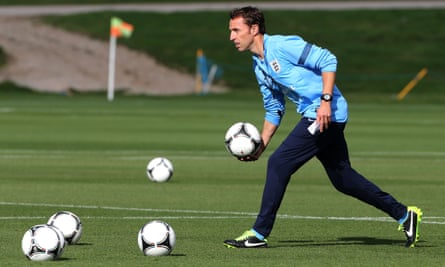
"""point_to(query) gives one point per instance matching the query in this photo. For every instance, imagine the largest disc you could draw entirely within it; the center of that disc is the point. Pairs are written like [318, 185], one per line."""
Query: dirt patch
[45, 58]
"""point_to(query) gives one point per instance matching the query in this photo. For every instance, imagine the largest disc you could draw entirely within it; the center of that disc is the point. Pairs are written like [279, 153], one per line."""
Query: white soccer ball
[70, 225]
[160, 170]
[156, 238]
[43, 242]
[242, 139]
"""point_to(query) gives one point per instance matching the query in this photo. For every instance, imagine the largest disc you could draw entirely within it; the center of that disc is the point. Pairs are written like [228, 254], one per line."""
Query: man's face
[241, 34]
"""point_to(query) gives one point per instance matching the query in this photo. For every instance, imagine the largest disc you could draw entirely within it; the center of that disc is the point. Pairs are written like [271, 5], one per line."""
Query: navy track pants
[331, 149]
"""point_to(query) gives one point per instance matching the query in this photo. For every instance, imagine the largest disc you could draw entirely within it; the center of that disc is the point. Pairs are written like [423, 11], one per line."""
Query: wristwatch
[326, 97]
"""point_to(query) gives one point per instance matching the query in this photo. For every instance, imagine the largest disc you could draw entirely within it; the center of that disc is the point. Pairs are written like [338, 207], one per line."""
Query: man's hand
[268, 131]
[324, 115]
[255, 156]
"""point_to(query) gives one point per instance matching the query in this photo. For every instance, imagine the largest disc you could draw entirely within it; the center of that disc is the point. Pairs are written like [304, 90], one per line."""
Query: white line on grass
[228, 214]
[137, 155]
[400, 153]
[22, 217]
[6, 110]
[126, 209]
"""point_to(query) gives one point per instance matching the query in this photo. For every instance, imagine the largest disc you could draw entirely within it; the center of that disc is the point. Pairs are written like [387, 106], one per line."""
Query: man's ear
[254, 29]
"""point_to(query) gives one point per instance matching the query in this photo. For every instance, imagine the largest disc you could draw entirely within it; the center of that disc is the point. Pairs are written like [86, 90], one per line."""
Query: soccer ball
[242, 139]
[156, 238]
[70, 225]
[43, 242]
[159, 170]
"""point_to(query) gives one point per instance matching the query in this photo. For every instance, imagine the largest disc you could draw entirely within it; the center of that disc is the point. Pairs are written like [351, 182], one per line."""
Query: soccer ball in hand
[43, 242]
[159, 170]
[156, 238]
[70, 225]
[242, 139]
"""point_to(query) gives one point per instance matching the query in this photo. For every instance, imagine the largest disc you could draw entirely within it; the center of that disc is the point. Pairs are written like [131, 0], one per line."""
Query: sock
[258, 235]
[404, 218]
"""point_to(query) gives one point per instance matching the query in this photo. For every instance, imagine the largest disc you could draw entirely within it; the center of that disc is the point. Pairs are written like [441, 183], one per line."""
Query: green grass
[84, 154]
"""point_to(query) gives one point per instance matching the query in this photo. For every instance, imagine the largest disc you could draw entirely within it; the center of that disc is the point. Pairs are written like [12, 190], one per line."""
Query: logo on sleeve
[275, 65]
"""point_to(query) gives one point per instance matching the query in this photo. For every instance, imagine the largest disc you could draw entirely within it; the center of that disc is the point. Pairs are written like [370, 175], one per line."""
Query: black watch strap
[326, 97]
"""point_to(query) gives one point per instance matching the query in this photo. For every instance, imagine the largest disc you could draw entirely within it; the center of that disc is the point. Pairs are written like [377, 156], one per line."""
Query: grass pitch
[86, 155]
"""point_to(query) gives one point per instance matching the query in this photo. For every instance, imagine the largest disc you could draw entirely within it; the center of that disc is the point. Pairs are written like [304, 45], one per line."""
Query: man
[288, 66]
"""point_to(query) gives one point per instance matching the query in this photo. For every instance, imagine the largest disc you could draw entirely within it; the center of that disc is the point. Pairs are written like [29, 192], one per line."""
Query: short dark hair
[251, 16]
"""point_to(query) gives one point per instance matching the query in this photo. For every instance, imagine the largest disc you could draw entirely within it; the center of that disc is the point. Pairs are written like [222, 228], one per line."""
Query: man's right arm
[268, 131]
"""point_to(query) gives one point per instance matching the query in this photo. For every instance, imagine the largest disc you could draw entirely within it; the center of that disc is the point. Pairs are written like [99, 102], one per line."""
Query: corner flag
[118, 28]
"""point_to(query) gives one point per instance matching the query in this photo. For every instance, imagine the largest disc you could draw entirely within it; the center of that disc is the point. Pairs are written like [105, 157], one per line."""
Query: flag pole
[111, 67]
[118, 28]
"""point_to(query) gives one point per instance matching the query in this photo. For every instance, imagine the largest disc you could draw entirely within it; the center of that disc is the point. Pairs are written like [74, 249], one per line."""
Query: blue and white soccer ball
[156, 238]
[242, 139]
[70, 225]
[160, 170]
[43, 242]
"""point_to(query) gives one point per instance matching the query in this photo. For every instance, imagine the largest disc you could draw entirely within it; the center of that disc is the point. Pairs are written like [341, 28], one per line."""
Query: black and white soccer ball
[70, 225]
[156, 238]
[159, 170]
[242, 139]
[43, 242]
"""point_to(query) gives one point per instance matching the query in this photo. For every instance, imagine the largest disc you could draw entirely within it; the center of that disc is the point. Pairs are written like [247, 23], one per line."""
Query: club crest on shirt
[275, 65]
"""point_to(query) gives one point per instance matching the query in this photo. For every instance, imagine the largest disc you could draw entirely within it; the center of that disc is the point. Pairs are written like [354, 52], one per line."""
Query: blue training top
[292, 67]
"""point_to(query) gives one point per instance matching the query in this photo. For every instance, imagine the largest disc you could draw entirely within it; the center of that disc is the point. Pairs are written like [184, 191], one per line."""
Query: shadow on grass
[342, 241]
[63, 259]
[81, 244]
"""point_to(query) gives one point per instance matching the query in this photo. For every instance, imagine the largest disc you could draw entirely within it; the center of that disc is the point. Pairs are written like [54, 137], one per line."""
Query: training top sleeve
[273, 100]
[274, 105]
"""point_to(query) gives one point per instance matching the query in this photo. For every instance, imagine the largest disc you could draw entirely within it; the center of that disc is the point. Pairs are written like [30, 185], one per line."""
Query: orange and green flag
[120, 28]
